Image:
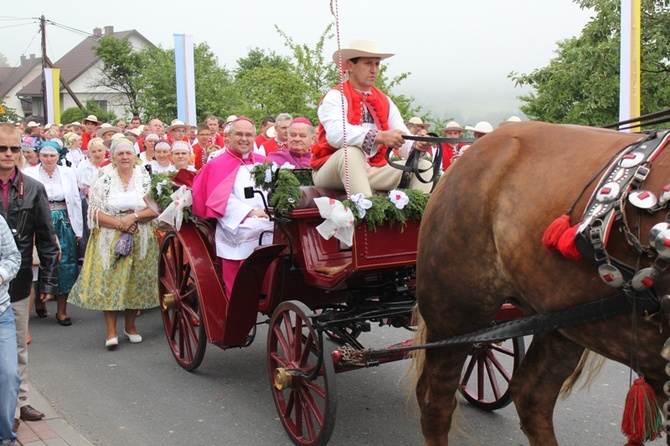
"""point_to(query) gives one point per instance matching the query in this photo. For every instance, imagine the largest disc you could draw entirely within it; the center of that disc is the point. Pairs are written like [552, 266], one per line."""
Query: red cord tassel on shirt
[642, 419]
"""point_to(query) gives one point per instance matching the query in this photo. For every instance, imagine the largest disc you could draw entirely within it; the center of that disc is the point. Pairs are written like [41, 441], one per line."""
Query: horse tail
[418, 357]
[586, 371]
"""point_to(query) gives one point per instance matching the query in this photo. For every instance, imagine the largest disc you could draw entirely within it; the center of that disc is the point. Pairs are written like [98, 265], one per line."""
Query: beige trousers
[333, 174]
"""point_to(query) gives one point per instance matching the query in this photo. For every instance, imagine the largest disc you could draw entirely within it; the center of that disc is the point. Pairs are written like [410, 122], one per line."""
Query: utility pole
[44, 65]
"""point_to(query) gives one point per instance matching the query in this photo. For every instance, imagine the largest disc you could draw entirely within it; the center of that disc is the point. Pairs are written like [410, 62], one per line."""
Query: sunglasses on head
[14, 149]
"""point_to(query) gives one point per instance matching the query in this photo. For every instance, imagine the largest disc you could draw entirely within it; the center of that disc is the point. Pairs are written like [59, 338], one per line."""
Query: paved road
[138, 395]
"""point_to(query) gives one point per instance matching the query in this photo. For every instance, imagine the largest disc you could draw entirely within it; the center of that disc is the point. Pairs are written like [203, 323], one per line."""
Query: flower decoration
[163, 194]
[339, 220]
[174, 213]
[398, 198]
[362, 204]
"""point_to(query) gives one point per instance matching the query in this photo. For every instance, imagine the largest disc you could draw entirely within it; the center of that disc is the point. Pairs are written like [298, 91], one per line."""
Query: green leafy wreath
[162, 189]
[283, 186]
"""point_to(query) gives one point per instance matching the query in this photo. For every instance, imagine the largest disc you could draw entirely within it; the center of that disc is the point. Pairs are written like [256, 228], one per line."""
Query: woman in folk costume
[121, 262]
[60, 183]
[218, 192]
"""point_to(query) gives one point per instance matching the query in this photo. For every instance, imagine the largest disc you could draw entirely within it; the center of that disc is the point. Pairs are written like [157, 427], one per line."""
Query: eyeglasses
[243, 135]
[14, 149]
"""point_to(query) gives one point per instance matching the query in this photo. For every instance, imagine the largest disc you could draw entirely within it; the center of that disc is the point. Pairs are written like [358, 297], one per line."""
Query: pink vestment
[214, 182]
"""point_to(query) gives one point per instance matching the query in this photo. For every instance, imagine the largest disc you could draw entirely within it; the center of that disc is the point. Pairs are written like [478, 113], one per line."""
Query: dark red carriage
[321, 296]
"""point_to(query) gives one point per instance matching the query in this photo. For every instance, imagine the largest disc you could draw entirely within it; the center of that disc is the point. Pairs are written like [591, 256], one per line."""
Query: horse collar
[624, 180]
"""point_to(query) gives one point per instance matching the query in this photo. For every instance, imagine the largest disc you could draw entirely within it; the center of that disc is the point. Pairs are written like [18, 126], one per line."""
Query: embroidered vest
[377, 103]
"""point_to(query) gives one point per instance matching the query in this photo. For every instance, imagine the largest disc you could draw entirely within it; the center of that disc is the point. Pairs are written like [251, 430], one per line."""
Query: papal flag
[52, 94]
[185, 70]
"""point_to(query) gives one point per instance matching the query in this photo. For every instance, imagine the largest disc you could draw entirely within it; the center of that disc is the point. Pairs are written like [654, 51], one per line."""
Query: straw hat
[177, 124]
[33, 124]
[92, 118]
[360, 48]
[418, 122]
[481, 127]
[105, 128]
[452, 126]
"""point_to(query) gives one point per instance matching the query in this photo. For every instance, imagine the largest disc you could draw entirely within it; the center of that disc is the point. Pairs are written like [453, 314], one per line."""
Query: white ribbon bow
[174, 213]
[339, 220]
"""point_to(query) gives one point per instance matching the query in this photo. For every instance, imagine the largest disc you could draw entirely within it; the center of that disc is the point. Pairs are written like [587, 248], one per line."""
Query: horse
[480, 245]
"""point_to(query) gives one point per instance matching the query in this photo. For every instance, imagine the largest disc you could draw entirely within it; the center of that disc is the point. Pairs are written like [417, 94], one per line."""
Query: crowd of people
[75, 226]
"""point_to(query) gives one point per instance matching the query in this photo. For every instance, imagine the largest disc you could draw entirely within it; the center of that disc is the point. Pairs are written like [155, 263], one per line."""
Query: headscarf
[49, 147]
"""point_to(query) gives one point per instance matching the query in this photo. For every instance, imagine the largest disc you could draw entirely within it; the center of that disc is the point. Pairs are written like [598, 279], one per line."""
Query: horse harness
[623, 181]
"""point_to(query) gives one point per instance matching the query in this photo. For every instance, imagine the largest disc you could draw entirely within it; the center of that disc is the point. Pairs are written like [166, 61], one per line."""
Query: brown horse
[480, 245]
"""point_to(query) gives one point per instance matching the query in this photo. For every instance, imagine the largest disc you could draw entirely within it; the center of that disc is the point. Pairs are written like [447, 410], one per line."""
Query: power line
[69, 28]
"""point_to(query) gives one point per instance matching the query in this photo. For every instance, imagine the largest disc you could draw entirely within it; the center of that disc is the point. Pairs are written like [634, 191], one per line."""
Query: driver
[373, 125]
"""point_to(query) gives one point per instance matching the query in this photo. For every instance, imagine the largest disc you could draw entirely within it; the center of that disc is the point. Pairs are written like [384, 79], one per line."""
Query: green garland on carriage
[283, 184]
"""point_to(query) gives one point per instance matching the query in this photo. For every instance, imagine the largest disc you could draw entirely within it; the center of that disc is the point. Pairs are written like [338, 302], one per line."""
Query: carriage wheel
[305, 398]
[488, 371]
[180, 305]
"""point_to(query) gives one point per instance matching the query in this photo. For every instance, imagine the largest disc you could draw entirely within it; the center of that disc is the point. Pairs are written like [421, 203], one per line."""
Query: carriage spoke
[180, 305]
[306, 406]
[486, 376]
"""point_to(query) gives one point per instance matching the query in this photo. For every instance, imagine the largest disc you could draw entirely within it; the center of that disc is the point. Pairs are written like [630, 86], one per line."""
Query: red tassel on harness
[642, 420]
[567, 246]
[554, 231]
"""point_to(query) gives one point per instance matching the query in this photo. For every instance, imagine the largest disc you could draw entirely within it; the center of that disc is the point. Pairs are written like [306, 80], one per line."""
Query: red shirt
[200, 154]
[272, 145]
[85, 138]
[260, 140]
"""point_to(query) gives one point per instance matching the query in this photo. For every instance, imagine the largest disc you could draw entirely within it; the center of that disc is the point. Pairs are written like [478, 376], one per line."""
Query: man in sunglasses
[25, 206]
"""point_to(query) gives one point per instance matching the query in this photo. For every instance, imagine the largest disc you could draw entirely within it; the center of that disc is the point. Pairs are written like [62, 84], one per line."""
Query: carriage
[317, 296]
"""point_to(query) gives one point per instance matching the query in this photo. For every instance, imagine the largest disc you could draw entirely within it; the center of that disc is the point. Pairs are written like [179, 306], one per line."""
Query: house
[81, 69]
[13, 79]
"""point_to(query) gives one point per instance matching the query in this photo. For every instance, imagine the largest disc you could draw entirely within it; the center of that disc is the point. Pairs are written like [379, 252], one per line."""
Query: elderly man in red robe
[218, 192]
[373, 124]
[300, 140]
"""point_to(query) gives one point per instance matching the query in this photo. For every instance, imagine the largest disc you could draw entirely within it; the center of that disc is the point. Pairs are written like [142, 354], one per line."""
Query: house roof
[11, 76]
[77, 61]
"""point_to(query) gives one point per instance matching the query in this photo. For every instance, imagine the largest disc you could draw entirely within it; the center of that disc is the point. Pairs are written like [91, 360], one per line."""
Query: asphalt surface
[138, 395]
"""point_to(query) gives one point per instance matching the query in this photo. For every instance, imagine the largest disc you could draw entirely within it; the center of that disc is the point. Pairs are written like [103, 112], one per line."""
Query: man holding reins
[373, 125]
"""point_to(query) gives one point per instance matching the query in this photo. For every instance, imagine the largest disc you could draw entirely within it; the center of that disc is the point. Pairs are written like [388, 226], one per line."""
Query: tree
[122, 69]
[78, 114]
[159, 93]
[310, 65]
[7, 114]
[581, 85]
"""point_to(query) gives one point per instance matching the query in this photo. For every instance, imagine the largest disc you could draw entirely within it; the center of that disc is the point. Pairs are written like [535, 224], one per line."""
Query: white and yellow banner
[52, 94]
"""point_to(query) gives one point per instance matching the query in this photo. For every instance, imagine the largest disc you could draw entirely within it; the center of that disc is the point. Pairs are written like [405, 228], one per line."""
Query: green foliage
[316, 71]
[8, 114]
[284, 185]
[122, 70]
[284, 195]
[91, 108]
[385, 212]
[581, 85]
[162, 189]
